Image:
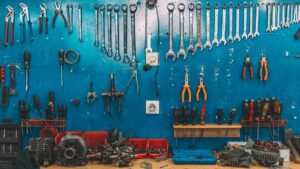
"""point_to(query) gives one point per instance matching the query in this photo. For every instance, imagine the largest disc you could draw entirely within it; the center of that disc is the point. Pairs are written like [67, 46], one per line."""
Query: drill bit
[27, 58]
[61, 54]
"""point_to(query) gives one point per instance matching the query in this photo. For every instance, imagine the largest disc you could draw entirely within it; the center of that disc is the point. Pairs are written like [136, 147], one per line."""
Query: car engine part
[41, 149]
[236, 157]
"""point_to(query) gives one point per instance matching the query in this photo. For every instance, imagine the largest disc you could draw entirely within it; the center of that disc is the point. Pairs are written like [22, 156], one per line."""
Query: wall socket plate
[152, 58]
[152, 107]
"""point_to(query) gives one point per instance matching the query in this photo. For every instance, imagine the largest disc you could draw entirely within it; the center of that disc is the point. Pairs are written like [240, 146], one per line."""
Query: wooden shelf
[207, 131]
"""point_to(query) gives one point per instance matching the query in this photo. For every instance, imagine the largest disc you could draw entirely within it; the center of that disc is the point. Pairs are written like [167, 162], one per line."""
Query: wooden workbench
[168, 165]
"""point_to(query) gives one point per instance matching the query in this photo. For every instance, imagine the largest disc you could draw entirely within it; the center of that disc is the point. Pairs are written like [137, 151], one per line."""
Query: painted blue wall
[222, 68]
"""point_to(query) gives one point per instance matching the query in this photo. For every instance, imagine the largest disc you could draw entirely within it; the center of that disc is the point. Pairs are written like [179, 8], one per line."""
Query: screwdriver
[27, 58]
[2, 76]
[61, 54]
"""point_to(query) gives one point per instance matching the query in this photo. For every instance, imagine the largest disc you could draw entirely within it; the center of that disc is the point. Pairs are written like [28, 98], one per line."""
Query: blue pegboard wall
[221, 66]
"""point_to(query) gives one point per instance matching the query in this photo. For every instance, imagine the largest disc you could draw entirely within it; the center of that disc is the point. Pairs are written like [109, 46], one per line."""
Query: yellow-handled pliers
[263, 70]
[199, 88]
[186, 88]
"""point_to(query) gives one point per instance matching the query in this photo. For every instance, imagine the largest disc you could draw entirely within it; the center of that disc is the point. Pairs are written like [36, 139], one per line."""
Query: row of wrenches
[216, 41]
[290, 14]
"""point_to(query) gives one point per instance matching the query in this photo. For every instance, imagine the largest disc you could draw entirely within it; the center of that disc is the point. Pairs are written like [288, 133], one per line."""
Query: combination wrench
[191, 32]
[207, 43]
[117, 56]
[181, 51]
[287, 23]
[124, 9]
[199, 27]
[269, 18]
[148, 49]
[278, 16]
[256, 33]
[96, 42]
[224, 6]
[295, 13]
[133, 9]
[216, 40]
[80, 22]
[103, 46]
[283, 16]
[273, 27]
[251, 22]
[230, 36]
[237, 23]
[244, 35]
[171, 53]
[298, 12]
[291, 13]
[109, 31]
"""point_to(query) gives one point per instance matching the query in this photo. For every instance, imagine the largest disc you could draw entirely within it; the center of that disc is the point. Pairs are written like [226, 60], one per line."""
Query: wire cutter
[43, 17]
[199, 88]
[24, 13]
[134, 75]
[186, 88]
[247, 64]
[11, 16]
[58, 10]
[263, 70]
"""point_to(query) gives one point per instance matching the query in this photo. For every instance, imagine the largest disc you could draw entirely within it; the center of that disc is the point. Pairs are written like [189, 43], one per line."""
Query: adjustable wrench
[245, 21]
[256, 33]
[109, 31]
[191, 32]
[273, 27]
[199, 26]
[269, 17]
[207, 43]
[103, 46]
[283, 16]
[133, 9]
[230, 37]
[124, 9]
[278, 16]
[251, 21]
[80, 22]
[181, 51]
[117, 56]
[287, 23]
[96, 43]
[237, 23]
[216, 40]
[171, 53]
[224, 6]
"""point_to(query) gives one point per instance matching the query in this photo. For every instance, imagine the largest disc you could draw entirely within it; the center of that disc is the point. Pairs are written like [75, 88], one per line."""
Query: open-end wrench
[148, 49]
[181, 51]
[199, 27]
[245, 35]
[237, 23]
[295, 13]
[251, 22]
[224, 8]
[297, 19]
[268, 17]
[132, 9]
[216, 40]
[124, 9]
[298, 12]
[278, 16]
[287, 23]
[291, 13]
[283, 16]
[207, 43]
[109, 31]
[191, 32]
[273, 27]
[171, 53]
[230, 36]
[103, 46]
[256, 33]
[80, 22]
[117, 56]
[96, 42]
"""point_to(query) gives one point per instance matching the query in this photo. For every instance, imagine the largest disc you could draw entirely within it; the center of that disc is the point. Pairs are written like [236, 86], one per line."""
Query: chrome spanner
[124, 9]
[273, 27]
[109, 31]
[171, 52]
[298, 11]
[191, 48]
[245, 35]
[295, 13]
[199, 27]
[269, 18]
[251, 22]
[292, 13]
[224, 8]
[96, 42]
[283, 16]
[230, 36]
[256, 33]
[80, 22]
[103, 46]
[207, 43]
[278, 16]
[148, 48]
[287, 23]
[133, 8]
[216, 40]
[237, 23]
[117, 56]
[181, 51]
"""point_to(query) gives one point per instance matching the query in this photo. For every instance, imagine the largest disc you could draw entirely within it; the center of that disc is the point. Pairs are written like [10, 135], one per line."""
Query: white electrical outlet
[152, 107]
[152, 58]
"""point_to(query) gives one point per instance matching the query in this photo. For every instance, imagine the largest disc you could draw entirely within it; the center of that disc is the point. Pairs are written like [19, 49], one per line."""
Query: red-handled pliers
[247, 65]
[9, 25]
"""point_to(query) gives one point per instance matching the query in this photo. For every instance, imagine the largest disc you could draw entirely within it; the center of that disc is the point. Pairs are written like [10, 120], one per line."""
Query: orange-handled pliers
[263, 70]
[186, 88]
[199, 88]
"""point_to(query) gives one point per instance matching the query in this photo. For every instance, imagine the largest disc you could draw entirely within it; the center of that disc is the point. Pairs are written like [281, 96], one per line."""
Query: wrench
[124, 9]
[230, 37]
[109, 32]
[291, 13]
[96, 43]
[103, 46]
[148, 49]
[298, 11]
[237, 24]
[207, 43]
[216, 40]
[251, 21]
[224, 6]
[171, 53]
[278, 16]
[199, 25]
[181, 51]
[287, 23]
[256, 33]
[191, 32]
[117, 56]
[295, 13]
[269, 17]
[283, 16]
[273, 27]
[80, 22]
[244, 35]
[132, 9]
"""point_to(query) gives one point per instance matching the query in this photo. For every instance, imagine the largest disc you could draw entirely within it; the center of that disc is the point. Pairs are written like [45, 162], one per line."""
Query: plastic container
[140, 144]
[157, 144]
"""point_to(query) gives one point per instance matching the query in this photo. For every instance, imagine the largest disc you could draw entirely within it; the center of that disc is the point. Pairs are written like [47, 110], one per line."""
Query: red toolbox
[141, 147]
[157, 147]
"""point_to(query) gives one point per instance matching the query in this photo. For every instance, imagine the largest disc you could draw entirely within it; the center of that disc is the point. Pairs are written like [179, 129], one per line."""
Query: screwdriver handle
[27, 59]
[61, 54]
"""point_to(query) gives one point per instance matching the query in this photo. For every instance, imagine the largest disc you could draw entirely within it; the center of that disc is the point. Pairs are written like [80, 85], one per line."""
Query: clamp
[186, 88]
[43, 17]
[134, 75]
[247, 64]
[199, 88]
[58, 10]
[10, 16]
[25, 12]
[263, 70]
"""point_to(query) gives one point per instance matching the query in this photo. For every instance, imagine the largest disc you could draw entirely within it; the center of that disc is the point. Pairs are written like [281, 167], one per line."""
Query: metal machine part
[42, 150]
[232, 156]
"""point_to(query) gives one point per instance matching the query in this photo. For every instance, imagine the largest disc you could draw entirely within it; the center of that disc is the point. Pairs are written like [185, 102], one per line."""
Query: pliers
[247, 64]
[186, 88]
[24, 13]
[43, 17]
[134, 75]
[263, 70]
[199, 88]
[58, 11]
[11, 16]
